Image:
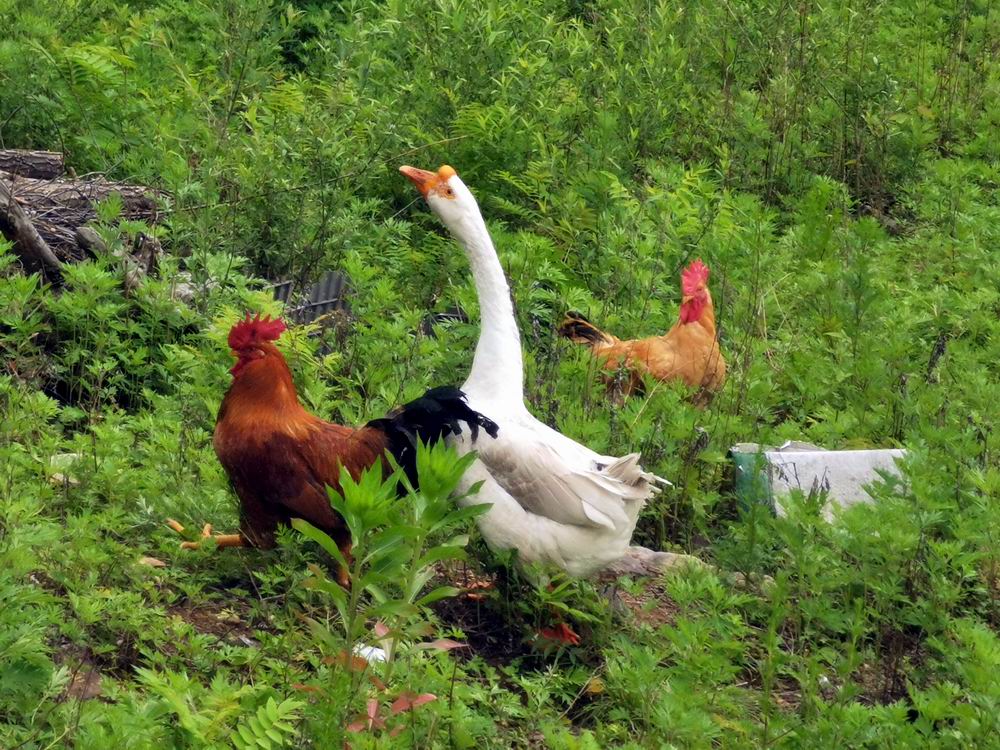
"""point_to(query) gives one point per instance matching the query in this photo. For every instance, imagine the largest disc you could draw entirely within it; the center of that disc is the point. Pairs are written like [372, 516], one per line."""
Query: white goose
[554, 500]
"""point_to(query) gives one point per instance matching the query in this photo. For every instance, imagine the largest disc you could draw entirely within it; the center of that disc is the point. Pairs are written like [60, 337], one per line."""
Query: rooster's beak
[690, 297]
[423, 179]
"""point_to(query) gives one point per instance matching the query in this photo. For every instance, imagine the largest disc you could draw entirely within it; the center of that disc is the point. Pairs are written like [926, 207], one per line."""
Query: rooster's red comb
[693, 276]
[250, 331]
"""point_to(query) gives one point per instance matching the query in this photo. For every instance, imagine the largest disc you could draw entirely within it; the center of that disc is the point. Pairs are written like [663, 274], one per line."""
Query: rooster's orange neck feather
[265, 386]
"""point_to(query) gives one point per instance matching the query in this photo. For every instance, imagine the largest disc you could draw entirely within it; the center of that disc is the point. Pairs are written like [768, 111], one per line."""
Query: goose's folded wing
[559, 485]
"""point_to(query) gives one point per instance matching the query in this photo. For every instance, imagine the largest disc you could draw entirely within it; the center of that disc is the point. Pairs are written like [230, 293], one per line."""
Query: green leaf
[444, 552]
[441, 592]
[460, 516]
[324, 541]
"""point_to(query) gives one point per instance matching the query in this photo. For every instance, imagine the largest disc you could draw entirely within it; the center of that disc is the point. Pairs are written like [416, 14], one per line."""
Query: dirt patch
[883, 683]
[45, 582]
[116, 663]
[229, 621]
[650, 606]
[489, 634]
[87, 671]
[85, 684]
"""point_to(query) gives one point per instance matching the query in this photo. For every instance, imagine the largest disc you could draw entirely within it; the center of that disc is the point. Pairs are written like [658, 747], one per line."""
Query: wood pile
[45, 212]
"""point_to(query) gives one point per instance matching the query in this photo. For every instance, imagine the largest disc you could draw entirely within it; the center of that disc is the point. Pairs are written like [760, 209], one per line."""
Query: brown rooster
[688, 351]
[280, 458]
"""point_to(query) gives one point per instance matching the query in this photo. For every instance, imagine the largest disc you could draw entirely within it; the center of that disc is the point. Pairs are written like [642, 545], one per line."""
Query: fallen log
[28, 244]
[643, 562]
[40, 165]
[90, 241]
[67, 195]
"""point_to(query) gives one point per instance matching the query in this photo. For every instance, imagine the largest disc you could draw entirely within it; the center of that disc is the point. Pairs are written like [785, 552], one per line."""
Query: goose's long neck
[497, 369]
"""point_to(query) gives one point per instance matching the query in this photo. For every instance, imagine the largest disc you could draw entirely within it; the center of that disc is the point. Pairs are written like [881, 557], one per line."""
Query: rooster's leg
[343, 572]
[221, 540]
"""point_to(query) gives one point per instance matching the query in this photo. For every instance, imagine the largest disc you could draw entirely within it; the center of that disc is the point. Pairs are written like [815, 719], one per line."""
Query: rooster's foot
[221, 540]
[560, 633]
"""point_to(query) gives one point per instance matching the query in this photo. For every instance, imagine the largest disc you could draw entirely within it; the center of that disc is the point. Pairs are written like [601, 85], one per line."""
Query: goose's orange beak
[427, 182]
[424, 180]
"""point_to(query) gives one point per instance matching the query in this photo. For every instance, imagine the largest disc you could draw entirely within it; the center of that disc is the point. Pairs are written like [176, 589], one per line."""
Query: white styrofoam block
[843, 475]
[370, 653]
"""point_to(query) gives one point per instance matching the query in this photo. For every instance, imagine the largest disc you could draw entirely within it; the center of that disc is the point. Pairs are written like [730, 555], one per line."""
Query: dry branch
[41, 165]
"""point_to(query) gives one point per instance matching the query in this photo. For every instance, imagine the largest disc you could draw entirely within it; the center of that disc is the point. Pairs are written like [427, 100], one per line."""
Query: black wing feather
[429, 418]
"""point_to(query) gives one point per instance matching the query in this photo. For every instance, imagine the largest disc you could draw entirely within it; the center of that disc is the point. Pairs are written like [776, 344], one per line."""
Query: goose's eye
[449, 193]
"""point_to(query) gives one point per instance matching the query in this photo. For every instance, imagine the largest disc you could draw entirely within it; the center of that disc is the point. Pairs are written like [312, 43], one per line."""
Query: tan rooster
[689, 351]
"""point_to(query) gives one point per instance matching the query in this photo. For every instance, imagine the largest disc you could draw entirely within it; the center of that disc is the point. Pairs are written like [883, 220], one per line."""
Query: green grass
[835, 164]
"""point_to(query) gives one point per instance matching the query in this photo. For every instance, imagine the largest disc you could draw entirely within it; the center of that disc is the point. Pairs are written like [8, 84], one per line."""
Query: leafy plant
[272, 726]
[395, 544]
[392, 556]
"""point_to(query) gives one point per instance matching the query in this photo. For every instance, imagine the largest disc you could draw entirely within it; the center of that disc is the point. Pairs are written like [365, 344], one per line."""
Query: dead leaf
[473, 590]
[441, 644]
[228, 615]
[152, 562]
[408, 701]
[351, 663]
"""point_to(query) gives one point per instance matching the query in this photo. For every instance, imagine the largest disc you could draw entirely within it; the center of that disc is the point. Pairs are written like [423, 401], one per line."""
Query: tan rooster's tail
[579, 330]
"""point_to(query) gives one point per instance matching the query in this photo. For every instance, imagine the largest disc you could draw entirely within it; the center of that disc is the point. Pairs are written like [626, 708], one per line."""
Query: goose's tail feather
[628, 470]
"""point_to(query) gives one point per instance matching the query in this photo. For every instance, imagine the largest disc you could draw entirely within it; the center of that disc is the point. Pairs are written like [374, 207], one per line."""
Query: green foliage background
[836, 164]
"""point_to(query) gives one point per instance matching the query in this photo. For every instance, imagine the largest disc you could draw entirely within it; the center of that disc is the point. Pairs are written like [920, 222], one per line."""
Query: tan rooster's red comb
[250, 331]
[694, 276]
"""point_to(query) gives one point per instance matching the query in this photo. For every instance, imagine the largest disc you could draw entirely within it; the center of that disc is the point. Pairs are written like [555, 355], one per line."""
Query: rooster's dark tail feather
[429, 418]
[579, 330]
